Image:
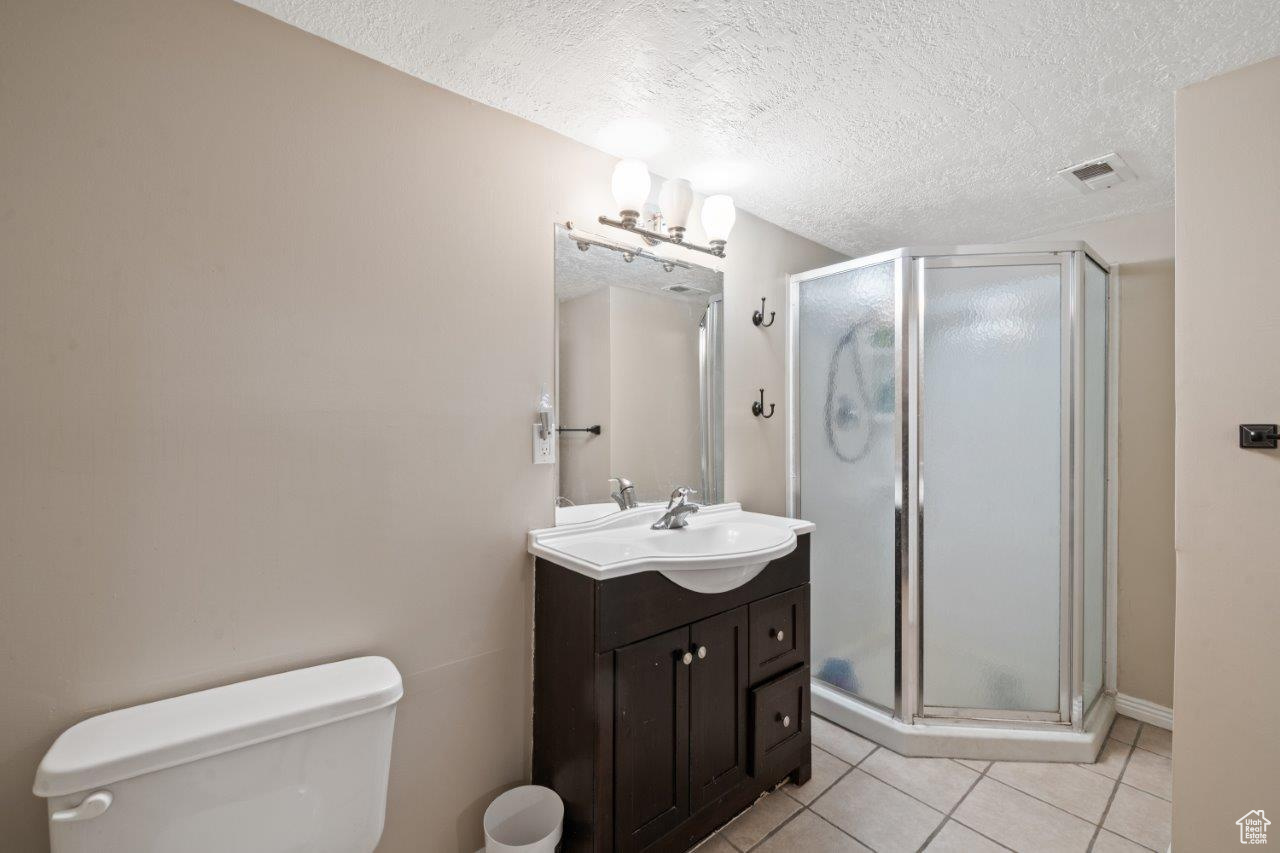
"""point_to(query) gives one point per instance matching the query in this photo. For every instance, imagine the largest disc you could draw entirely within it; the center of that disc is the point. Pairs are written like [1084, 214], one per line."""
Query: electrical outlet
[544, 449]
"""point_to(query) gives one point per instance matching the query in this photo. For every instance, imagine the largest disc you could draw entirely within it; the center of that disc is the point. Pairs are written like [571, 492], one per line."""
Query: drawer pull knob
[777, 633]
[785, 720]
[686, 658]
[702, 652]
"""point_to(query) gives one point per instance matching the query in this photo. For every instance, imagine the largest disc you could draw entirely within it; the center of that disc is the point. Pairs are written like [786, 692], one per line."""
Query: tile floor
[863, 797]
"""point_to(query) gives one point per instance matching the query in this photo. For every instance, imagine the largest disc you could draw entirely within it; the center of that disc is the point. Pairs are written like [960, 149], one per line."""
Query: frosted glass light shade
[717, 218]
[630, 185]
[676, 200]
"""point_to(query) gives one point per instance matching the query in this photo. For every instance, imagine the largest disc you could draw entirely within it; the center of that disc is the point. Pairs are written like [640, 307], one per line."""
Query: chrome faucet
[625, 496]
[677, 508]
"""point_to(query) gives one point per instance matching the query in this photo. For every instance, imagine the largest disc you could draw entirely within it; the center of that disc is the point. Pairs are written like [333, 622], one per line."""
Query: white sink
[722, 547]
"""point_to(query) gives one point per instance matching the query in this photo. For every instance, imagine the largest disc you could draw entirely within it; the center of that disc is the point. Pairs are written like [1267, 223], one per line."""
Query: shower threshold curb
[977, 740]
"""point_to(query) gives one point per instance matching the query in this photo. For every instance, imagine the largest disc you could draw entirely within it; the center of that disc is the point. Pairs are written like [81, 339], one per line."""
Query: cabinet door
[718, 705]
[651, 738]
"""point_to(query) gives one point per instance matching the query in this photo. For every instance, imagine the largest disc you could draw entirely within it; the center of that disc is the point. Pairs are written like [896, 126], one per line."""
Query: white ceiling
[863, 124]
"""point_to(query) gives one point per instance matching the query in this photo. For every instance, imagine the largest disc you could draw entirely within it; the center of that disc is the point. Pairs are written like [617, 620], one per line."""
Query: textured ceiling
[862, 124]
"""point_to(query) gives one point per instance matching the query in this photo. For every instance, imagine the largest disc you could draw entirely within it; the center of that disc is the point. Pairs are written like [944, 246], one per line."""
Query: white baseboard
[1144, 711]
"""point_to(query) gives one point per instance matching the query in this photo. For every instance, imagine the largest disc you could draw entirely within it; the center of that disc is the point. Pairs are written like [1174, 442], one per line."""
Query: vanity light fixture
[630, 189]
[631, 184]
[718, 217]
[629, 253]
[675, 201]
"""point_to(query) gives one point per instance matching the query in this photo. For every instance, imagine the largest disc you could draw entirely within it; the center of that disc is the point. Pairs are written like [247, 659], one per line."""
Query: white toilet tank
[292, 762]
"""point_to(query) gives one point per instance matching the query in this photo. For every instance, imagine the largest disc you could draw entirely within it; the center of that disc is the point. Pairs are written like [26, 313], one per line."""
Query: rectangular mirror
[639, 352]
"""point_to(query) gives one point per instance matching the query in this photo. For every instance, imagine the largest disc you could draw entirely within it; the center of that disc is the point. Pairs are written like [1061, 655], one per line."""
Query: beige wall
[1226, 675]
[273, 321]
[756, 448]
[1145, 558]
[1142, 247]
[583, 397]
[1126, 239]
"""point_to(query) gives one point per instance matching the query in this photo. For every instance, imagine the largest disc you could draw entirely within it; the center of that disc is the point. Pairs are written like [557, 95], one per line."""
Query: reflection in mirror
[639, 396]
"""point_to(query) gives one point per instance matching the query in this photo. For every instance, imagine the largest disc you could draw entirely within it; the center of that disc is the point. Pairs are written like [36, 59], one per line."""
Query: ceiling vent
[1101, 173]
[683, 288]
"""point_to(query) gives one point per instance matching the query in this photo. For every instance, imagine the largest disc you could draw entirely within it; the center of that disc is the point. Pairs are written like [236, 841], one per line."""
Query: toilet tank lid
[146, 738]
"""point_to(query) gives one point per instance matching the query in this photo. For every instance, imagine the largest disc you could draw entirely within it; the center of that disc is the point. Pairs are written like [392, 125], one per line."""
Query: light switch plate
[544, 449]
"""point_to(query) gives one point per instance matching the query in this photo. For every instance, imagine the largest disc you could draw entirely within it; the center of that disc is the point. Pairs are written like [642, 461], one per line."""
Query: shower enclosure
[950, 435]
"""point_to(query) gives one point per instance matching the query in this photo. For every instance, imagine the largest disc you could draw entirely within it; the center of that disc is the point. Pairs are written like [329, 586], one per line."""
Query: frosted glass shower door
[990, 478]
[845, 398]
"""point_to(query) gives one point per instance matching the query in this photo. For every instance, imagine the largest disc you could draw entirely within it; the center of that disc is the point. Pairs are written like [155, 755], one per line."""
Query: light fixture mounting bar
[716, 248]
[586, 240]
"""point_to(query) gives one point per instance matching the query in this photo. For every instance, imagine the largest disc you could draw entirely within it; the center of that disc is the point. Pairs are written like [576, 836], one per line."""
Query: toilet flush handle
[91, 806]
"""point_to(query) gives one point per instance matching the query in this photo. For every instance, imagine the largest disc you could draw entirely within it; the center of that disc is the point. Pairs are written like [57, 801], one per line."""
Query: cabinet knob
[785, 720]
[778, 634]
[686, 658]
[702, 652]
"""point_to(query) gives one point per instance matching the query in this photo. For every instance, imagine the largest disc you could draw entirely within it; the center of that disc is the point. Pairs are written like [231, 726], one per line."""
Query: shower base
[973, 739]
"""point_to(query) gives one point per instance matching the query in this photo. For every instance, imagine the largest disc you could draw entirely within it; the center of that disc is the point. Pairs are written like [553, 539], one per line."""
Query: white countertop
[723, 546]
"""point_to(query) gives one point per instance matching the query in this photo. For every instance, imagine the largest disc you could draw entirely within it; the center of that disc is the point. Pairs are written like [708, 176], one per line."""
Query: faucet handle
[625, 496]
[681, 494]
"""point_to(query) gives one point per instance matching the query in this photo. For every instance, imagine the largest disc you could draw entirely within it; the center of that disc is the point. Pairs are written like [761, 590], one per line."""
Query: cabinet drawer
[779, 722]
[779, 637]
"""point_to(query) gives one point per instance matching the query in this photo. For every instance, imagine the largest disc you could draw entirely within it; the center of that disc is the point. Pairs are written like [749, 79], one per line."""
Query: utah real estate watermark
[1253, 827]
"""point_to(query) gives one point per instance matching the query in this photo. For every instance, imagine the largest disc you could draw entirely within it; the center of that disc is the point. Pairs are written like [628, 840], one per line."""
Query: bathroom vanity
[671, 672]
[671, 666]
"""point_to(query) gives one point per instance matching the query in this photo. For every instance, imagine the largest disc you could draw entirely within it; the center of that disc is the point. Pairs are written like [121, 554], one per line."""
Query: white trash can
[528, 819]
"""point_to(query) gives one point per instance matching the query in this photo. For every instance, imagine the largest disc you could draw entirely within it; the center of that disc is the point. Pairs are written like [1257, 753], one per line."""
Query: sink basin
[723, 537]
[722, 547]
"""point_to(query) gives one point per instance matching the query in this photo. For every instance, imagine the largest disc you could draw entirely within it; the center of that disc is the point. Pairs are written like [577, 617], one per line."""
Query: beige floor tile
[1109, 842]
[715, 844]
[939, 782]
[955, 838]
[1021, 822]
[809, 833]
[826, 770]
[1124, 729]
[1157, 740]
[764, 817]
[1151, 773]
[840, 742]
[980, 766]
[1110, 761]
[1067, 786]
[1140, 817]
[877, 815]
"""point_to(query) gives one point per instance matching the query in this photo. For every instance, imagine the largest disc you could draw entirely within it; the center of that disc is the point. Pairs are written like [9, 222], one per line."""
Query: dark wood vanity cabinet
[660, 713]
